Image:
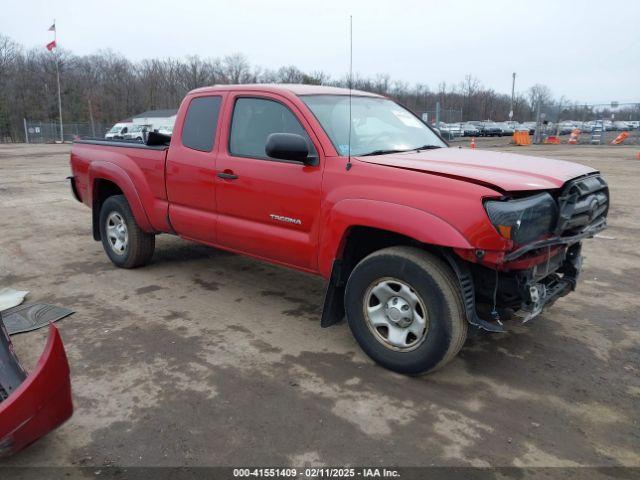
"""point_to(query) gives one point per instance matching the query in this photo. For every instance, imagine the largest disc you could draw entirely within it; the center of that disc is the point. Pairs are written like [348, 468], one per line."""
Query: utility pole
[54, 47]
[425, 100]
[513, 89]
[559, 113]
[93, 128]
[59, 100]
[537, 136]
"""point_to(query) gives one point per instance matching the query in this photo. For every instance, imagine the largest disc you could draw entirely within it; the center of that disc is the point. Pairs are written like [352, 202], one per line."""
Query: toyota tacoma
[417, 240]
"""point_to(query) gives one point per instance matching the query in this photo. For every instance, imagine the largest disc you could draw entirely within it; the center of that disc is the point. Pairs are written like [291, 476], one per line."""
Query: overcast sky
[588, 50]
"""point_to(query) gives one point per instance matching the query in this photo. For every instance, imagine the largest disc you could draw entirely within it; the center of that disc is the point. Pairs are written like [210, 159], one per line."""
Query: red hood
[507, 171]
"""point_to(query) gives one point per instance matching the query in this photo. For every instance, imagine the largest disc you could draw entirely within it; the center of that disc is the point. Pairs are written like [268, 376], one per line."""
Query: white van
[118, 131]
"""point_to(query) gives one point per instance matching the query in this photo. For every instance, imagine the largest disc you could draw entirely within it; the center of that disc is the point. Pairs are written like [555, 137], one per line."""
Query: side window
[200, 123]
[254, 119]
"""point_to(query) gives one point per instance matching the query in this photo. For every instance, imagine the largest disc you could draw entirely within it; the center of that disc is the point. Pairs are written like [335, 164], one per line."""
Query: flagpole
[55, 38]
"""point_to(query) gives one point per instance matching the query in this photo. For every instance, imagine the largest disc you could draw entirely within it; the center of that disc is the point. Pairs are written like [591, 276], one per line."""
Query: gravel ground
[209, 358]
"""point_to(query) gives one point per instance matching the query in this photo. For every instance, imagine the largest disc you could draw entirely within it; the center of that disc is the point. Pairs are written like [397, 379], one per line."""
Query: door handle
[227, 175]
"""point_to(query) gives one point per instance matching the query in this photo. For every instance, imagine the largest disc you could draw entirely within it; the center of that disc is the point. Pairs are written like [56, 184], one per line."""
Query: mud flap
[333, 306]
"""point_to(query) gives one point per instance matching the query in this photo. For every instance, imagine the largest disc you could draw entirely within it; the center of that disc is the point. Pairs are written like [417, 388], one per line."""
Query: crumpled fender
[39, 404]
[412, 222]
[112, 172]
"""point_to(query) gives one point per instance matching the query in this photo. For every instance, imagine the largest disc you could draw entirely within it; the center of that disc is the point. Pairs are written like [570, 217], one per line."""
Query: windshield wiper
[383, 152]
[386, 152]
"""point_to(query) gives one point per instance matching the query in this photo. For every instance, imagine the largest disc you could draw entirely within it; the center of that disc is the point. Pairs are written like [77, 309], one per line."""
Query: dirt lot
[209, 358]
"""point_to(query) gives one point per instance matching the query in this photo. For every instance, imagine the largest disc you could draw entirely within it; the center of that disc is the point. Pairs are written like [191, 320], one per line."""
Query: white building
[156, 119]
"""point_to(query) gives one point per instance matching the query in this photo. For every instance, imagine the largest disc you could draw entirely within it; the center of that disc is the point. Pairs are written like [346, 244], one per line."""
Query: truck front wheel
[405, 310]
[125, 243]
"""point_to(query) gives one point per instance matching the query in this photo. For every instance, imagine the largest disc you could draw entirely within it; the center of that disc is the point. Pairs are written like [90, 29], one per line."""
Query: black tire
[434, 283]
[139, 245]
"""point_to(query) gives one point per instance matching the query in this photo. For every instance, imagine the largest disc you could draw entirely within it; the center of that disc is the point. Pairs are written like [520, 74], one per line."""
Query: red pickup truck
[416, 239]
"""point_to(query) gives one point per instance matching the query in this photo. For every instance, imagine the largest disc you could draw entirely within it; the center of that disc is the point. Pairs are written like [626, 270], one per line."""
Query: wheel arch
[356, 215]
[106, 180]
[360, 227]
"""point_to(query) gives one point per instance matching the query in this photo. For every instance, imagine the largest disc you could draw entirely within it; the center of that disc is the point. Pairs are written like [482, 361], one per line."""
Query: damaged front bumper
[541, 287]
[32, 405]
[523, 293]
[555, 241]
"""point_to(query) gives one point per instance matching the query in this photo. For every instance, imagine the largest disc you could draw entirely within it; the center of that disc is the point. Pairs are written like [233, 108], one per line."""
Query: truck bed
[137, 169]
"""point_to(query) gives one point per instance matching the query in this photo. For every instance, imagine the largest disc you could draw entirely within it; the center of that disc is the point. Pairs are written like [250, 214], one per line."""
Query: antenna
[350, 85]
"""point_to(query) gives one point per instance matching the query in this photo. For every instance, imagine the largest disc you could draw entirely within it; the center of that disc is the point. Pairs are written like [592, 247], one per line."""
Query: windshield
[115, 129]
[378, 125]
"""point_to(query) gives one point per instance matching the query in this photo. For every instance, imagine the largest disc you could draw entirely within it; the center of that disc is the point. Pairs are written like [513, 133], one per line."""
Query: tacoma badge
[280, 218]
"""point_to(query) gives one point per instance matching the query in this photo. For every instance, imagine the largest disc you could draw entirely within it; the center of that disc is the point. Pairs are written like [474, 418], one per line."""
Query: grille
[583, 205]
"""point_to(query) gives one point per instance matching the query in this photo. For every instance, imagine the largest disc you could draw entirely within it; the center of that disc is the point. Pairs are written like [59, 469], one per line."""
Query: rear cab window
[200, 123]
[254, 119]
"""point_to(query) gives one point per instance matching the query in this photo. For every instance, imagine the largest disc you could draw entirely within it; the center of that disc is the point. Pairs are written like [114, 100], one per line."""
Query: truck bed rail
[121, 143]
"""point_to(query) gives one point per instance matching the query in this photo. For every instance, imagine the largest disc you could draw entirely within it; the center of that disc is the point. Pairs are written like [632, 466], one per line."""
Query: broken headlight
[524, 219]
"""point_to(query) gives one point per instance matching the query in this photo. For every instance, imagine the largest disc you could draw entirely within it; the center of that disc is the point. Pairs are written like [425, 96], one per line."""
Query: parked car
[443, 129]
[415, 239]
[452, 130]
[586, 127]
[470, 130]
[505, 129]
[118, 131]
[456, 129]
[621, 126]
[490, 129]
[449, 131]
[567, 127]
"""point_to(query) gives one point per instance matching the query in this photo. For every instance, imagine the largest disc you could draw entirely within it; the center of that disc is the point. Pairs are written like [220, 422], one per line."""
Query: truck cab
[417, 241]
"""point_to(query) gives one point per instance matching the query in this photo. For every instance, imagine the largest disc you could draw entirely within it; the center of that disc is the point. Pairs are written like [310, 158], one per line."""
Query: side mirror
[289, 146]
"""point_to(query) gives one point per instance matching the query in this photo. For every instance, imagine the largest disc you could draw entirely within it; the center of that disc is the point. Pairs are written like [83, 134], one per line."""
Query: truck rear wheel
[125, 243]
[405, 309]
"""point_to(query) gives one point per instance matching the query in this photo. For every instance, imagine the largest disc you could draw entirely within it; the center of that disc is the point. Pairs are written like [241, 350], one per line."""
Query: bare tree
[539, 94]
[119, 88]
[236, 68]
[290, 74]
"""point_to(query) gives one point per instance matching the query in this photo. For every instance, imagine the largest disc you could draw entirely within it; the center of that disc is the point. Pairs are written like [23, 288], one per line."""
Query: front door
[266, 207]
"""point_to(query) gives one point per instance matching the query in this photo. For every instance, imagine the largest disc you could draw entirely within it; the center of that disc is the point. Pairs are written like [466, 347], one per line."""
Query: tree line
[106, 87]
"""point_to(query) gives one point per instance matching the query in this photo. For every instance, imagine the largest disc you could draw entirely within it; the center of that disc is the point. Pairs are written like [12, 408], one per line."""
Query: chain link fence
[49, 132]
[442, 115]
[448, 121]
